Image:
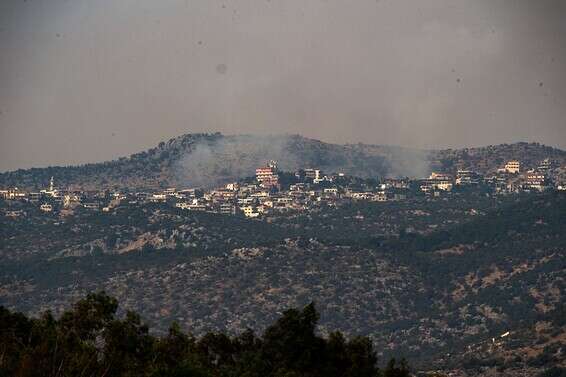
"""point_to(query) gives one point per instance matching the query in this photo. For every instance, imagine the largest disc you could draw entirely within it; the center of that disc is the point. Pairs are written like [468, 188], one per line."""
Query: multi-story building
[234, 186]
[249, 211]
[331, 191]
[535, 181]
[227, 209]
[545, 166]
[193, 206]
[437, 181]
[399, 183]
[72, 200]
[245, 201]
[467, 177]
[366, 195]
[223, 194]
[187, 194]
[513, 167]
[158, 197]
[13, 194]
[172, 191]
[298, 187]
[267, 176]
[46, 207]
[380, 196]
[314, 174]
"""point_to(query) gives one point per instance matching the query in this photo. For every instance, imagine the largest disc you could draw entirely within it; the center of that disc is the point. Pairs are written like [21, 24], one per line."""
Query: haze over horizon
[89, 81]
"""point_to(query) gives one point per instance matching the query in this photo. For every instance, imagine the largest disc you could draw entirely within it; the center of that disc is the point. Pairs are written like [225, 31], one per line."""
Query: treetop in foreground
[91, 340]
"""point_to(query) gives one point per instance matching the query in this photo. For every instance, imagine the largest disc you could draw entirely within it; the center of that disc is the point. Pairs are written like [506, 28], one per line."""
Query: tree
[395, 369]
[89, 340]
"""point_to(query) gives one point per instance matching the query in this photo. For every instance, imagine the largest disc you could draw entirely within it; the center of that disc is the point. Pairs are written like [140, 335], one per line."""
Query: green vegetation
[432, 279]
[90, 340]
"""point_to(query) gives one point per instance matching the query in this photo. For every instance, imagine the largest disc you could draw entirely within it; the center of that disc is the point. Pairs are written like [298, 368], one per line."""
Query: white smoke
[215, 160]
[225, 159]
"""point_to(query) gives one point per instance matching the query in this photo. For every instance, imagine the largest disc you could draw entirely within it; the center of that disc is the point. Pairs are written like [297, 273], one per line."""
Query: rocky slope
[442, 295]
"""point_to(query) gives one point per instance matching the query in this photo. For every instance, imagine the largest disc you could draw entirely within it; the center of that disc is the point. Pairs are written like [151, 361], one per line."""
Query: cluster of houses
[308, 189]
[508, 179]
[266, 194]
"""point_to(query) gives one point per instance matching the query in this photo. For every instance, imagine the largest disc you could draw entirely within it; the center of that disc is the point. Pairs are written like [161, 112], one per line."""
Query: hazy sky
[91, 80]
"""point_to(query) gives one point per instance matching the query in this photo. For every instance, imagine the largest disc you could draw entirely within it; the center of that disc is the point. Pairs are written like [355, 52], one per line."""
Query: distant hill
[194, 160]
[489, 158]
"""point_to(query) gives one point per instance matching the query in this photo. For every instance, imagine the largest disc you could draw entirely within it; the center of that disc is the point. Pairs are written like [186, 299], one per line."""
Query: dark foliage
[554, 372]
[90, 340]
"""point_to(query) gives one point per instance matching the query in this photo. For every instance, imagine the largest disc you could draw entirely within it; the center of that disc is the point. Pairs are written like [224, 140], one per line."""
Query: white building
[331, 191]
[52, 191]
[233, 186]
[249, 211]
[194, 205]
[437, 181]
[46, 207]
[513, 167]
[536, 181]
[160, 197]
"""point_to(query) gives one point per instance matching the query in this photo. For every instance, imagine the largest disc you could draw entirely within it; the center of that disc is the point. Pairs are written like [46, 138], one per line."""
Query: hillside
[91, 338]
[206, 159]
[458, 279]
[489, 158]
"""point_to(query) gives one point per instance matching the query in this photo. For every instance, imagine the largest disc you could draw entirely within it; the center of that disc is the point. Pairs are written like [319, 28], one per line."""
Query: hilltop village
[460, 270]
[273, 191]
